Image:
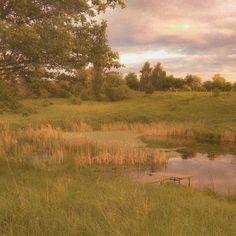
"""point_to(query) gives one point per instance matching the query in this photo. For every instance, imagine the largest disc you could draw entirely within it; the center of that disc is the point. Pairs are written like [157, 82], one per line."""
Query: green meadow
[214, 114]
[65, 197]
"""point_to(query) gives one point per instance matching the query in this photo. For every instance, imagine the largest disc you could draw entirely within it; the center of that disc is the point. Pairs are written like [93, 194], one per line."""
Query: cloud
[186, 36]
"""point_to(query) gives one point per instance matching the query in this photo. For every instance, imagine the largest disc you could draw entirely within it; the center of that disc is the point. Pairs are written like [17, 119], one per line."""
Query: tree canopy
[39, 38]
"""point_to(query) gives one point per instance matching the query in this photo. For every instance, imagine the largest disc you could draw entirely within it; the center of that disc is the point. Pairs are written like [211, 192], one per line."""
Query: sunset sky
[186, 36]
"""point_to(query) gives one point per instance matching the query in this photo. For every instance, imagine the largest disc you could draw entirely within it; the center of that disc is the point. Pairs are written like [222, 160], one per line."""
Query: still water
[217, 174]
[208, 171]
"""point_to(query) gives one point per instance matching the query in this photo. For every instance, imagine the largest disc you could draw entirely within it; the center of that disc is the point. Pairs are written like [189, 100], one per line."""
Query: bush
[216, 92]
[132, 81]
[46, 103]
[76, 101]
[8, 100]
[149, 89]
[85, 94]
[115, 87]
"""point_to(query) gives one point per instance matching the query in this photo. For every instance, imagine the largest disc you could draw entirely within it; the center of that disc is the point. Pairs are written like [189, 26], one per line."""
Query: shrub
[46, 103]
[85, 94]
[8, 100]
[132, 81]
[216, 92]
[75, 101]
[149, 89]
[115, 87]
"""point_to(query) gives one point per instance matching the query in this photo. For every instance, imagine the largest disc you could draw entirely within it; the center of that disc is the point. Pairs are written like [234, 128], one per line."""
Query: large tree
[41, 37]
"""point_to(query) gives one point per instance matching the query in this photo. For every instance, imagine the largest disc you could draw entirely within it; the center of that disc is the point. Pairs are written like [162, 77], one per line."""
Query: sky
[186, 36]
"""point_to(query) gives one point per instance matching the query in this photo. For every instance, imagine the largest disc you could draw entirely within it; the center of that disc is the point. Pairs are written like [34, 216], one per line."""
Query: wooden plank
[161, 177]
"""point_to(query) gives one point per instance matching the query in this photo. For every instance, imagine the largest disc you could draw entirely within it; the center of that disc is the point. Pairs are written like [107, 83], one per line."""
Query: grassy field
[54, 185]
[213, 113]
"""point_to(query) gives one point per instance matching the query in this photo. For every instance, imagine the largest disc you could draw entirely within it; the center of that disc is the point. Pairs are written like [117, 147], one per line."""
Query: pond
[208, 169]
[217, 173]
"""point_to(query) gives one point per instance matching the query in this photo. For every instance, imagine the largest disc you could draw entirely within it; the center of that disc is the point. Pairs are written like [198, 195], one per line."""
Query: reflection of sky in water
[219, 173]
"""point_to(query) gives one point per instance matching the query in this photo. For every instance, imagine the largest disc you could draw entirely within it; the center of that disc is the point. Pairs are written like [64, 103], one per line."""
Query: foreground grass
[69, 201]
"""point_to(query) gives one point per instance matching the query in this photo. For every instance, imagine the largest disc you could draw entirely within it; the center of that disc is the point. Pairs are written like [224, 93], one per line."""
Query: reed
[228, 137]
[52, 146]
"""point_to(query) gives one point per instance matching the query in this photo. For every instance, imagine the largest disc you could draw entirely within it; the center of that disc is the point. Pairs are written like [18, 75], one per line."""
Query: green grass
[65, 200]
[216, 114]
[69, 201]
[192, 146]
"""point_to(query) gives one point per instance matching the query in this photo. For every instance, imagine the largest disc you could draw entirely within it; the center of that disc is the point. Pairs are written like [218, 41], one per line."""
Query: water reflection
[208, 171]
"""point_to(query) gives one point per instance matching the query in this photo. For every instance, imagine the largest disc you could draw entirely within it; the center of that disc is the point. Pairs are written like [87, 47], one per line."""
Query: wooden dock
[163, 177]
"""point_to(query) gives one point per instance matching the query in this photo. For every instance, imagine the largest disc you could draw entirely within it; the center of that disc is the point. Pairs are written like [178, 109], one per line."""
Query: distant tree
[132, 81]
[193, 82]
[218, 78]
[228, 87]
[208, 85]
[158, 77]
[234, 86]
[218, 83]
[178, 84]
[145, 79]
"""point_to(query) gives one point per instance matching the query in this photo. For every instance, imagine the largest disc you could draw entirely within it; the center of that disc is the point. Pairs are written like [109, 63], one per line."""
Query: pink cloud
[192, 28]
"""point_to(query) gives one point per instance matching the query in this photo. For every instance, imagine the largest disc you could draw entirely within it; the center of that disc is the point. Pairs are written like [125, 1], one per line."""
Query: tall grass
[228, 137]
[52, 146]
[67, 201]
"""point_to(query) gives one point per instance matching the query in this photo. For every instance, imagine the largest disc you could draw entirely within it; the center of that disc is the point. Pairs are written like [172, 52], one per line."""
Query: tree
[219, 82]
[218, 79]
[145, 79]
[208, 85]
[234, 86]
[193, 82]
[132, 81]
[158, 77]
[40, 38]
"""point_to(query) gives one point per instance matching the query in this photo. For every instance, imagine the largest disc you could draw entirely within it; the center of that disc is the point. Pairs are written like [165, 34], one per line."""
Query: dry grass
[47, 145]
[117, 155]
[228, 137]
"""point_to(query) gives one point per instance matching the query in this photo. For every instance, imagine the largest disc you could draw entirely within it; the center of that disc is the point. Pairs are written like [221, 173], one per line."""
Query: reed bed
[47, 145]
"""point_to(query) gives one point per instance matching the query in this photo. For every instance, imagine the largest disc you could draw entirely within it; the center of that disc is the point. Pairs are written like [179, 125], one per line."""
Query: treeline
[156, 79]
[112, 87]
